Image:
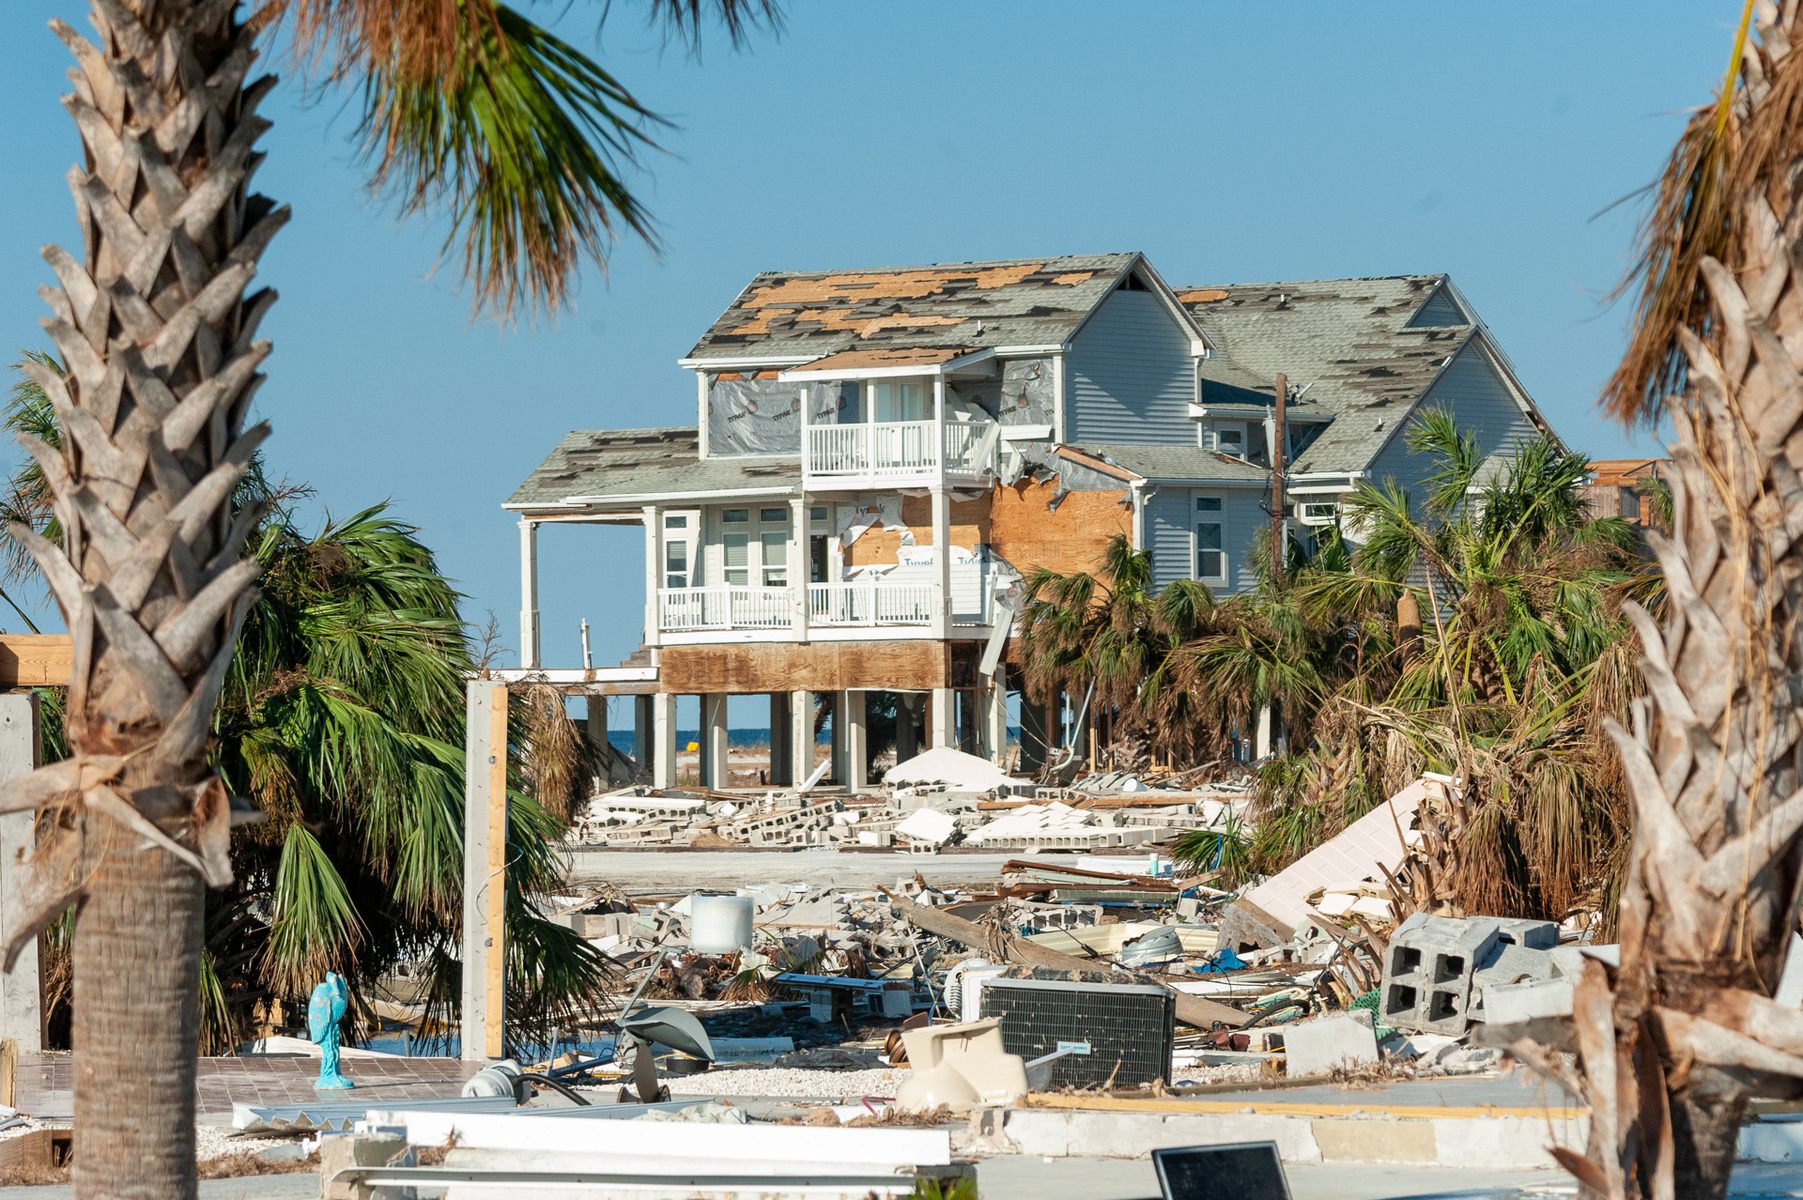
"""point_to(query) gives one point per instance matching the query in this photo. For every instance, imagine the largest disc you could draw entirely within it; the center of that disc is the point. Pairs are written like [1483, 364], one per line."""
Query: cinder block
[347, 1151]
[1318, 1046]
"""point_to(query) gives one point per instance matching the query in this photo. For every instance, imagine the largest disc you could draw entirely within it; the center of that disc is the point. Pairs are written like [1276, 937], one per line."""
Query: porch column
[1035, 733]
[801, 737]
[654, 567]
[943, 718]
[798, 566]
[907, 734]
[781, 727]
[997, 725]
[528, 593]
[663, 752]
[597, 735]
[968, 722]
[713, 741]
[942, 560]
[857, 744]
[642, 732]
[841, 771]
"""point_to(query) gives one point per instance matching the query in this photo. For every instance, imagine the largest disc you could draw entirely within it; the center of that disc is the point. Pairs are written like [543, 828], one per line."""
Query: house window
[775, 558]
[1231, 440]
[676, 564]
[676, 522]
[774, 516]
[817, 516]
[901, 402]
[1211, 551]
[736, 549]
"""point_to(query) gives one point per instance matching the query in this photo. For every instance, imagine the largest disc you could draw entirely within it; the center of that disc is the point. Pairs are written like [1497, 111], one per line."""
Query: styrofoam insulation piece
[952, 767]
[931, 825]
[1354, 854]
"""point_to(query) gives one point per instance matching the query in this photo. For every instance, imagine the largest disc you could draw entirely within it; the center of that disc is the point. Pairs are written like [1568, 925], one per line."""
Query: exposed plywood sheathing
[1028, 534]
[1015, 523]
[749, 669]
[1203, 295]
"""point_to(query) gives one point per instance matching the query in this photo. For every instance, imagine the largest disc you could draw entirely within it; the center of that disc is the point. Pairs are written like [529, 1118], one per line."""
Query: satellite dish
[672, 1027]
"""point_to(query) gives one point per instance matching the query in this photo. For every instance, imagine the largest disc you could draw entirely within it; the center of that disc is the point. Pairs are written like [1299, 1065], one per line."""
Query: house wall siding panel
[1129, 377]
[1478, 399]
[1169, 536]
[1171, 518]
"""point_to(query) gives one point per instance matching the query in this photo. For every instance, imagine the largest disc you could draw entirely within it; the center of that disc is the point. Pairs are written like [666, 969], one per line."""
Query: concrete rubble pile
[942, 798]
[1316, 969]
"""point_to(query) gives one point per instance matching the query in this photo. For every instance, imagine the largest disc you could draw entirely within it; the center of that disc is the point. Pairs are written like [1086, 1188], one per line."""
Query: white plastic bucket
[720, 924]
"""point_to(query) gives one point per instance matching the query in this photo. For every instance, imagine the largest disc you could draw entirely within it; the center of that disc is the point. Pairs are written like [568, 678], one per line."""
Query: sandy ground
[685, 870]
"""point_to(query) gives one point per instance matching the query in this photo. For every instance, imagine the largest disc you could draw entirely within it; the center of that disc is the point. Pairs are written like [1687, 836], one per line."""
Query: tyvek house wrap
[1026, 397]
[763, 416]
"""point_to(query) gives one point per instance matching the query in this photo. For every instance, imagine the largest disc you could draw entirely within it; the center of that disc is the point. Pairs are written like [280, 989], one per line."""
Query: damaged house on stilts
[878, 457]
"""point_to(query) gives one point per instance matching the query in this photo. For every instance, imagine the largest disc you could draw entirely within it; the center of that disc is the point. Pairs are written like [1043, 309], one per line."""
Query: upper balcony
[906, 428]
[896, 453]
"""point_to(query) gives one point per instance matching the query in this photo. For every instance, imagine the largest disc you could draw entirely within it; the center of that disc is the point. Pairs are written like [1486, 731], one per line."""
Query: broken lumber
[1191, 1010]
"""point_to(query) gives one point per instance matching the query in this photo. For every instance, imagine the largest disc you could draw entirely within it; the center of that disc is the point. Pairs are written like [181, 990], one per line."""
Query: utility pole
[1279, 442]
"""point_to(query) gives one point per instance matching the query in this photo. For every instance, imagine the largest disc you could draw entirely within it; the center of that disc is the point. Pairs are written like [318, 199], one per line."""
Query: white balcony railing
[688, 609]
[871, 603]
[899, 448]
[705, 609]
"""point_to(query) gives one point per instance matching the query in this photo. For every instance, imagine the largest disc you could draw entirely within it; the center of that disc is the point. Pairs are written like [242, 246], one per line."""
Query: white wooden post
[807, 451]
[857, 758]
[799, 532]
[944, 720]
[663, 755]
[528, 593]
[801, 736]
[484, 871]
[654, 571]
[998, 715]
[942, 559]
[714, 740]
[22, 991]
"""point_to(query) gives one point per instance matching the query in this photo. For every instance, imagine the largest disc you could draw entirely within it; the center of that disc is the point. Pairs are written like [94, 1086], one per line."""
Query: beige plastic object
[960, 1066]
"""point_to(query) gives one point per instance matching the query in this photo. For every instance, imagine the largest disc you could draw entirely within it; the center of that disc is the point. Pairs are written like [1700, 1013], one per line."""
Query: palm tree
[468, 108]
[1674, 1043]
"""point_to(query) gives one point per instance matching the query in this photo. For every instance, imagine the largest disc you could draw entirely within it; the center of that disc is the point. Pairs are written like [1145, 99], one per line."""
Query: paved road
[683, 870]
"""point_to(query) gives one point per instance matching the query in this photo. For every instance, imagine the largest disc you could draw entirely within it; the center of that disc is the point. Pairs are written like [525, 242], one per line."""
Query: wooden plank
[1191, 1010]
[36, 659]
[1403, 1111]
[496, 910]
[762, 667]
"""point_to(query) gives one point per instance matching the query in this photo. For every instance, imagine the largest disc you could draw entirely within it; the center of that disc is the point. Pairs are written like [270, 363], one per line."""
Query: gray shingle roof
[633, 462]
[1014, 302]
[1176, 462]
[1346, 337]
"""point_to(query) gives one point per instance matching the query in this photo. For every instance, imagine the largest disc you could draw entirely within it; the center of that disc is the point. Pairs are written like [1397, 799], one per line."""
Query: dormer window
[1230, 440]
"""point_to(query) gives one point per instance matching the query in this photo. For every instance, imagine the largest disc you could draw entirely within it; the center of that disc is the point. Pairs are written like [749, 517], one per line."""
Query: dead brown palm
[468, 109]
[1673, 1044]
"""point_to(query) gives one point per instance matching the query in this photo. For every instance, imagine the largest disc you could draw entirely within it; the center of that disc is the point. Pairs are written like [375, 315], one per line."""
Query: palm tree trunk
[158, 343]
[1674, 1043]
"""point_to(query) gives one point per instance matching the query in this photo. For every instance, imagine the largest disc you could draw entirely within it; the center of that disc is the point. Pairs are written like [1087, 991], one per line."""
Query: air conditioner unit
[1119, 1032]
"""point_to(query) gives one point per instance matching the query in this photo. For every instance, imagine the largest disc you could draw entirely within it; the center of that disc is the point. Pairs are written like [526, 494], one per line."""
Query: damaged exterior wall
[1016, 524]
[759, 415]
[1028, 394]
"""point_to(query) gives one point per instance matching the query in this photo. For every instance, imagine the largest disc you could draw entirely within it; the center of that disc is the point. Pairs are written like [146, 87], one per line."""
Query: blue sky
[1231, 143]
